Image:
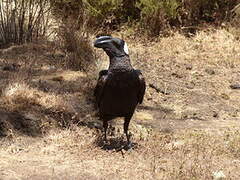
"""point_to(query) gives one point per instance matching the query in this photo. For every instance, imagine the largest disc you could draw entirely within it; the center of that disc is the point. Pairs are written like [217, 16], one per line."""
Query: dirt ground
[187, 127]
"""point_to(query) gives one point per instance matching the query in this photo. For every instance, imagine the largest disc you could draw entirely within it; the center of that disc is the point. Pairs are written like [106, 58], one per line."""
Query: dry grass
[76, 44]
[188, 129]
[20, 96]
[72, 153]
[211, 47]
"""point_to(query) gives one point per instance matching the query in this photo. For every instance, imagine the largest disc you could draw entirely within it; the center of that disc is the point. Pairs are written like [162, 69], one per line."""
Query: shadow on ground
[13, 121]
[115, 144]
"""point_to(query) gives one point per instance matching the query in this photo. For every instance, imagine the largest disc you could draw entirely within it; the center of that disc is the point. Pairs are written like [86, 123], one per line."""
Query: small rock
[218, 175]
[47, 68]
[225, 96]
[215, 114]
[190, 85]
[11, 67]
[210, 71]
[177, 75]
[236, 161]
[189, 67]
[178, 143]
[235, 86]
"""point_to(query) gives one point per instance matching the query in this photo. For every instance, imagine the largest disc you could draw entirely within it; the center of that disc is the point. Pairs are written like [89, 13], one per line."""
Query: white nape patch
[125, 48]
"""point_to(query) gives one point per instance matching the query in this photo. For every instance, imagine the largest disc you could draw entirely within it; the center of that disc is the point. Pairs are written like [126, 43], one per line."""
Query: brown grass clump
[215, 47]
[80, 54]
[20, 96]
[73, 36]
[232, 139]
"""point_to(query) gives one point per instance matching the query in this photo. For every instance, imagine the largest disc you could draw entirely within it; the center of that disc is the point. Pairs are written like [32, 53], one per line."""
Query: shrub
[77, 46]
[208, 10]
[154, 16]
[157, 16]
[73, 34]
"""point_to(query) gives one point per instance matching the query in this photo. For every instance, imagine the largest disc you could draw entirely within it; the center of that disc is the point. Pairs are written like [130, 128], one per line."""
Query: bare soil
[187, 127]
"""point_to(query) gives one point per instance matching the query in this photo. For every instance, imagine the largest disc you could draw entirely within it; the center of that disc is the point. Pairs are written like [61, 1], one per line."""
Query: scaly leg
[105, 126]
[126, 124]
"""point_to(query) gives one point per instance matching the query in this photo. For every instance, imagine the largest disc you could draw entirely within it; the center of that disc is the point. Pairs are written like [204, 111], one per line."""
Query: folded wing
[99, 89]
[142, 87]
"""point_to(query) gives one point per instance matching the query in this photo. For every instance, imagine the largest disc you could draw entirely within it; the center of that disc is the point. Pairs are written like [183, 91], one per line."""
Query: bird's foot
[125, 147]
[128, 146]
[119, 148]
[105, 141]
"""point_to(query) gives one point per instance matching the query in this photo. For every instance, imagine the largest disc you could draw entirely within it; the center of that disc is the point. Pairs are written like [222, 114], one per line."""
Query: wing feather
[142, 88]
[99, 89]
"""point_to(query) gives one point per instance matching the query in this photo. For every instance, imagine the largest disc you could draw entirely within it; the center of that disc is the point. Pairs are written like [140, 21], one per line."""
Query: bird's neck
[117, 63]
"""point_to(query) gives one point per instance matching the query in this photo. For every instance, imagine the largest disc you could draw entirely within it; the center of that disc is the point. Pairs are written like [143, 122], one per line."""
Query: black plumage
[120, 88]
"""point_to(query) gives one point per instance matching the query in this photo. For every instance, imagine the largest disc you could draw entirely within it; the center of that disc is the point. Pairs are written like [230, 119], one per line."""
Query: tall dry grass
[23, 21]
[214, 46]
[20, 97]
[78, 48]
[74, 35]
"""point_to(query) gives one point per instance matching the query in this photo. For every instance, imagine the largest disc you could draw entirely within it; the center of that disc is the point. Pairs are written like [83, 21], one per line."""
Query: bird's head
[114, 47]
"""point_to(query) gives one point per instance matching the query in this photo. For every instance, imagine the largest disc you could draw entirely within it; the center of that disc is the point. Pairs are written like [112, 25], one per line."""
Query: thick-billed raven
[120, 88]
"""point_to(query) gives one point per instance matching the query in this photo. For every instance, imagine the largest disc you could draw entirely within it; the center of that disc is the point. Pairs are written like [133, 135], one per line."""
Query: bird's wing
[99, 89]
[142, 88]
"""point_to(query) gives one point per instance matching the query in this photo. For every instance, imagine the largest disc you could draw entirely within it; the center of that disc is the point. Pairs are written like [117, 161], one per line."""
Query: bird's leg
[126, 124]
[105, 126]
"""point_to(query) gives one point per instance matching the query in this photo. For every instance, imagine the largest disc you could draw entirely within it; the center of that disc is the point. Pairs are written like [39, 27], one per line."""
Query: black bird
[120, 88]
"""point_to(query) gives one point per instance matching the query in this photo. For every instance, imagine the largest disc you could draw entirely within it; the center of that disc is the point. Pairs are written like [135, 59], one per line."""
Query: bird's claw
[128, 146]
